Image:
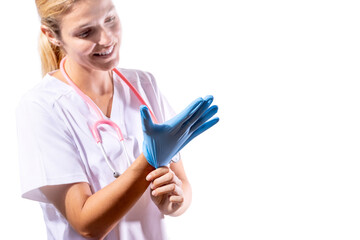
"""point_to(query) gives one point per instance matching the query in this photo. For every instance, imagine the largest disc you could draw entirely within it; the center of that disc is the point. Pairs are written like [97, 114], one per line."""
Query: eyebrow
[88, 24]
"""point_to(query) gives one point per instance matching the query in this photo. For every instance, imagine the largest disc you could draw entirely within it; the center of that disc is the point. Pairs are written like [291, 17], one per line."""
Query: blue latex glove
[163, 141]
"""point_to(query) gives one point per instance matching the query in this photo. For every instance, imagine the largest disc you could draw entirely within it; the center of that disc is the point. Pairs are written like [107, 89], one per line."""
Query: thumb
[146, 120]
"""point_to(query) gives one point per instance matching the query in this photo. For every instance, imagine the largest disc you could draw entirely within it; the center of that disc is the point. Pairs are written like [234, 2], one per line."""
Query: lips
[105, 53]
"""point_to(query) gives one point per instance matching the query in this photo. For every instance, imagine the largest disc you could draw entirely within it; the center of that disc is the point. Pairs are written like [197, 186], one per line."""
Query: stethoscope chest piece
[116, 174]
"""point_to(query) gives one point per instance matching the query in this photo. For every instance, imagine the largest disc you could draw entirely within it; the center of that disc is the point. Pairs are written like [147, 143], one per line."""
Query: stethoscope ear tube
[95, 130]
[137, 94]
[115, 173]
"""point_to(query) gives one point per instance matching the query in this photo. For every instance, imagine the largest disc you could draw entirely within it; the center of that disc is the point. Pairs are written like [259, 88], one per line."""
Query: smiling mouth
[105, 53]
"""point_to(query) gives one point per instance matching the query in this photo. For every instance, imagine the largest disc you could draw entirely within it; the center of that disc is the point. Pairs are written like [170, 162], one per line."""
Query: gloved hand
[163, 141]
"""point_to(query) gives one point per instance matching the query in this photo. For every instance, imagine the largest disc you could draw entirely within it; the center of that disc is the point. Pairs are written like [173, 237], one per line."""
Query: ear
[50, 35]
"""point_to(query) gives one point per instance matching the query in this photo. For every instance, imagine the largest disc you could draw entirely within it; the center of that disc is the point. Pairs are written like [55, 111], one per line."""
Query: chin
[110, 62]
[106, 65]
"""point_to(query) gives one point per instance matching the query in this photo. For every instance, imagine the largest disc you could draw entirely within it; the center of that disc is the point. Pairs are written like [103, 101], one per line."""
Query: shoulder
[44, 95]
[135, 75]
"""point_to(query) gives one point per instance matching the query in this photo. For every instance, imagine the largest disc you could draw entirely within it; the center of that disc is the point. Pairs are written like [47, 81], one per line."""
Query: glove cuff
[150, 159]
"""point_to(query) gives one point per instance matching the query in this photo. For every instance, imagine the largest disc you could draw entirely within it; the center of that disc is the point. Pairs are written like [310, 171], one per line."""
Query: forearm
[102, 210]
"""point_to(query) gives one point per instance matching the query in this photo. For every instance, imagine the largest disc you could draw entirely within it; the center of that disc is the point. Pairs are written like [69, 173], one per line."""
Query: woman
[61, 166]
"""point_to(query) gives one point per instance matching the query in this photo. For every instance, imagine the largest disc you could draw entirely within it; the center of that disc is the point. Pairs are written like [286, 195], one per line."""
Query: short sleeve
[47, 153]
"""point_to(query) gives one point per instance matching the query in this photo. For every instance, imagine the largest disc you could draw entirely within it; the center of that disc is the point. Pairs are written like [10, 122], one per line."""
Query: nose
[105, 38]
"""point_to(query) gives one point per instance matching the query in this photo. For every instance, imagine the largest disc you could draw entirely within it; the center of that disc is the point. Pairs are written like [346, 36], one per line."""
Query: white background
[283, 162]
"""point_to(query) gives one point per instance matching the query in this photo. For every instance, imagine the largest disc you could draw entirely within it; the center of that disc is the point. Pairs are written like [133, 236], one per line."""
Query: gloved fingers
[146, 120]
[199, 112]
[200, 130]
[204, 127]
[209, 113]
[187, 113]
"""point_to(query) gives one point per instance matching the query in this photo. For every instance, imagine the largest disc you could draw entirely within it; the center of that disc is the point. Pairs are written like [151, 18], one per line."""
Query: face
[91, 34]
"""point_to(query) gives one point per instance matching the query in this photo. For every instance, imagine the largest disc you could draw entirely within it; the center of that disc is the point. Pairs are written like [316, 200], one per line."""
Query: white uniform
[56, 147]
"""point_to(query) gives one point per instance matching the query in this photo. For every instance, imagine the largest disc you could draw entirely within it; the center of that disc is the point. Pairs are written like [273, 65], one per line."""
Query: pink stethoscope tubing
[102, 121]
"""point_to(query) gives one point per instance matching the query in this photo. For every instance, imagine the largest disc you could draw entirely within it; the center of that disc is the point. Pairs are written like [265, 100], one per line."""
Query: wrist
[150, 159]
[142, 165]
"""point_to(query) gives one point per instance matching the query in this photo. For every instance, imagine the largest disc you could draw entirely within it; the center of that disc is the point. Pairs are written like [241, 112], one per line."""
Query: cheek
[117, 31]
[77, 47]
[82, 47]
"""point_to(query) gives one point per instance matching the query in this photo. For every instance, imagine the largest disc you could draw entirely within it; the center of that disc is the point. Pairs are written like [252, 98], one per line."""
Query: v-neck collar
[114, 104]
[115, 98]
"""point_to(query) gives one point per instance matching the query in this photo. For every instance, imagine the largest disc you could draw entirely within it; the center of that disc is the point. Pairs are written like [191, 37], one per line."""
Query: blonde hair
[50, 12]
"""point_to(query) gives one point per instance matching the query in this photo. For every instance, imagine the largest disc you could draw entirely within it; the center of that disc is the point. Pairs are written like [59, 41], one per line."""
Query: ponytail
[50, 55]
[50, 12]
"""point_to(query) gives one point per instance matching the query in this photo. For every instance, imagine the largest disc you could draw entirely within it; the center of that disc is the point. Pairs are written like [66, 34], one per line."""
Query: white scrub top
[56, 147]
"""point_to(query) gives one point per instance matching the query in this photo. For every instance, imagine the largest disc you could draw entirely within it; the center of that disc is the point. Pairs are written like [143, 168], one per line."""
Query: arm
[94, 215]
[171, 190]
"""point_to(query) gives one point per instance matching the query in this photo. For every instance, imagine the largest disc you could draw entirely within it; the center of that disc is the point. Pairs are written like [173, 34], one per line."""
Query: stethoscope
[101, 120]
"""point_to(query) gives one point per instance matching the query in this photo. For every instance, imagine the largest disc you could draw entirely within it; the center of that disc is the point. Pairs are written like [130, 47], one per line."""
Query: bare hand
[166, 190]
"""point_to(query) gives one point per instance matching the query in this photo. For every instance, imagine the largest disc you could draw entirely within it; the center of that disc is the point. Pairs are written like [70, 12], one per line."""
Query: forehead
[86, 12]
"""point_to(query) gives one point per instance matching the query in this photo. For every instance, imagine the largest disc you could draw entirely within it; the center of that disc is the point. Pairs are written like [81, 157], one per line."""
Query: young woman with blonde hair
[61, 164]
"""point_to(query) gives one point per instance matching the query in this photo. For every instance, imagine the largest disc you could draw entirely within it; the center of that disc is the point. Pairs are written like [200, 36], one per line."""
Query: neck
[91, 82]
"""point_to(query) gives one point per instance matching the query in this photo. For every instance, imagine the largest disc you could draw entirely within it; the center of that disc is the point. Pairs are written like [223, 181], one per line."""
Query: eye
[84, 34]
[110, 19]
